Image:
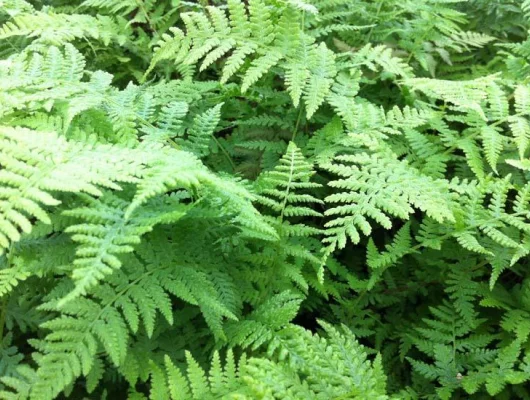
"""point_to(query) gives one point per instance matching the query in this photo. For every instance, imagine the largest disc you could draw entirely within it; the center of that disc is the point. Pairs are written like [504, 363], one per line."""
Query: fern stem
[288, 189]
[379, 6]
[3, 314]
[225, 152]
[295, 131]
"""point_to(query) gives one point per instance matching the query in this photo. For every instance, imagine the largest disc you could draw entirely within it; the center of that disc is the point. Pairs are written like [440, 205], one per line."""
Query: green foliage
[303, 366]
[186, 188]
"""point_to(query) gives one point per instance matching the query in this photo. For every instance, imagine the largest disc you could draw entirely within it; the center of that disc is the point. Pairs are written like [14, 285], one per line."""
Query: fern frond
[238, 36]
[377, 187]
[35, 164]
[381, 57]
[465, 95]
[201, 131]
[115, 6]
[281, 189]
[11, 276]
[108, 231]
[10, 357]
[261, 325]
[344, 372]
[400, 246]
[57, 29]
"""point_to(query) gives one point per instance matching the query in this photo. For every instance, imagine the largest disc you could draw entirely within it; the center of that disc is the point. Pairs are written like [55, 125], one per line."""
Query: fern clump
[264, 199]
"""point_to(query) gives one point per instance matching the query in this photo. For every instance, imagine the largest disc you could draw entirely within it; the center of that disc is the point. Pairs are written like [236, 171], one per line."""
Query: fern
[11, 358]
[261, 377]
[280, 188]
[54, 159]
[115, 308]
[186, 188]
[310, 69]
[57, 29]
[286, 191]
[107, 233]
[398, 188]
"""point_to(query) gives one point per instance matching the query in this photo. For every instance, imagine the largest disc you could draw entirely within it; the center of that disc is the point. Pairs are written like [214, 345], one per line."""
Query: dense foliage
[264, 199]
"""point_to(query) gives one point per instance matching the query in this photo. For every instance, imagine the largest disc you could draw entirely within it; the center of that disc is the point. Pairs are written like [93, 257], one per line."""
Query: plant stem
[227, 155]
[379, 6]
[3, 314]
[295, 131]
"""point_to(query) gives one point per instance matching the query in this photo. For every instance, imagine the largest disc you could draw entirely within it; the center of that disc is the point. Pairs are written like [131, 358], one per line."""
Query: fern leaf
[322, 72]
[106, 234]
[32, 168]
[177, 383]
[400, 246]
[196, 375]
[258, 68]
[521, 132]
[202, 130]
[493, 145]
[363, 174]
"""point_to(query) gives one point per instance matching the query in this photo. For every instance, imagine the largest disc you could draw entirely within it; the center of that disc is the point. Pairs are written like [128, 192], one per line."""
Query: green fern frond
[344, 372]
[11, 276]
[37, 164]
[115, 6]
[398, 188]
[107, 232]
[10, 357]
[200, 133]
[57, 29]
[381, 57]
[400, 246]
[262, 324]
[310, 72]
[282, 189]
[465, 95]
[463, 291]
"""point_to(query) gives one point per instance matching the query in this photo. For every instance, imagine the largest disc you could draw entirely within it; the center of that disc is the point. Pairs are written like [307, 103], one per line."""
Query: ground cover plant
[264, 199]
